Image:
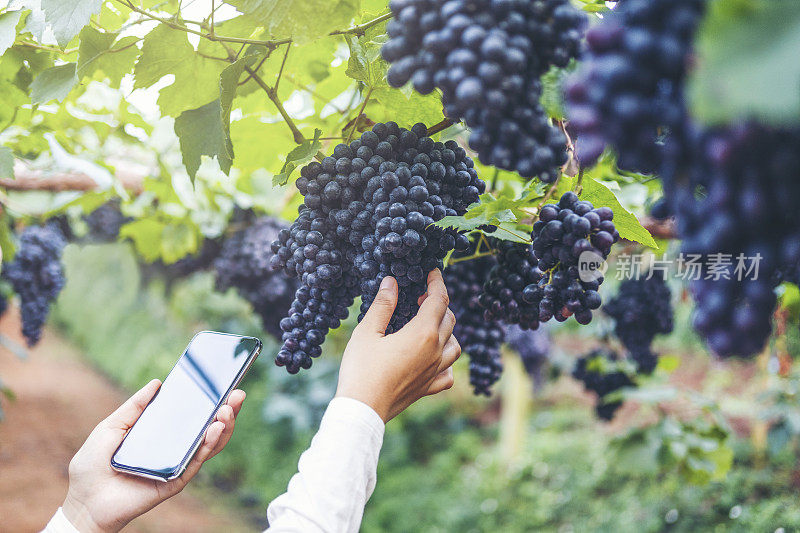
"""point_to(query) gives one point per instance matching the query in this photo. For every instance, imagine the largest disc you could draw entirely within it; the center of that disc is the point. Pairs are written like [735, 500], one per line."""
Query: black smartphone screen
[165, 436]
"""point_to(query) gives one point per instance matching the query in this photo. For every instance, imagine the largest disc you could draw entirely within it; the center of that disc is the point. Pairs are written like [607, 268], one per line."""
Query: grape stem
[476, 255]
[360, 113]
[579, 182]
[440, 126]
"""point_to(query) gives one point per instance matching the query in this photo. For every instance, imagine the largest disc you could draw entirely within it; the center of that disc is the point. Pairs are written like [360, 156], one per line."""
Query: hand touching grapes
[102, 499]
[390, 372]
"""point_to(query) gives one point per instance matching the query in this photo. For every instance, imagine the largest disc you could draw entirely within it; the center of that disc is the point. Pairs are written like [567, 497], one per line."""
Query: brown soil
[59, 399]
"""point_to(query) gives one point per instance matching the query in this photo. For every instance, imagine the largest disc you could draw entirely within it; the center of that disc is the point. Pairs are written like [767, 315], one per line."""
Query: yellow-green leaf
[626, 223]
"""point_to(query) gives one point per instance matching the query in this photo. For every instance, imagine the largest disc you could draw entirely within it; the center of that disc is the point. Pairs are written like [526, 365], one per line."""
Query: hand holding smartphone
[167, 434]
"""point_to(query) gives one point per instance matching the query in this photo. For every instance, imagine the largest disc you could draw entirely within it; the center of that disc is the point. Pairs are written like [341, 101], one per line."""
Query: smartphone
[167, 434]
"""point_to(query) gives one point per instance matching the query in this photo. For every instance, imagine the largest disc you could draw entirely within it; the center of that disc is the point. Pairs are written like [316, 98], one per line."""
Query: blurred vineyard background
[523, 460]
[701, 445]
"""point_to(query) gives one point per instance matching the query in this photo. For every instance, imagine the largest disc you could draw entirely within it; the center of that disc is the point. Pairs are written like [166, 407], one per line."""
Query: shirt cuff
[353, 411]
[60, 524]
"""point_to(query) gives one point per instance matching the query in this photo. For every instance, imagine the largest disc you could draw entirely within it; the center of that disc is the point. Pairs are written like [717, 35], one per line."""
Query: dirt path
[59, 400]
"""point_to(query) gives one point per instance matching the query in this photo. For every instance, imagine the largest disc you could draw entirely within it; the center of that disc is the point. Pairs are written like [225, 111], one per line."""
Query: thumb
[128, 413]
[380, 312]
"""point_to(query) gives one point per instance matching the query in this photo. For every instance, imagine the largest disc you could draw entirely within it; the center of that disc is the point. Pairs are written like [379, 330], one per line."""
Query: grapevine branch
[28, 180]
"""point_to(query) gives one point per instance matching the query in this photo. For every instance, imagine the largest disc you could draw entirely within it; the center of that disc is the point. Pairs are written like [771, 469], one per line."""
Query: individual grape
[487, 57]
[628, 91]
[368, 213]
[479, 338]
[105, 222]
[37, 276]
[244, 263]
[641, 310]
[533, 347]
[567, 237]
[603, 373]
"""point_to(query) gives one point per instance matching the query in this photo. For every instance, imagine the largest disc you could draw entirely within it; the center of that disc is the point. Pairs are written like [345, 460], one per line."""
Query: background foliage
[185, 110]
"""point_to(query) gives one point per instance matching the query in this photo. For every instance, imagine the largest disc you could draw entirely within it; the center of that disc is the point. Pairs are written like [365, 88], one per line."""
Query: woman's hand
[102, 499]
[390, 372]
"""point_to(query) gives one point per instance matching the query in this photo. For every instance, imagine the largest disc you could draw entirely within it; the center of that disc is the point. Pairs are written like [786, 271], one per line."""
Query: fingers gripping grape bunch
[641, 310]
[244, 263]
[479, 338]
[487, 57]
[37, 276]
[368, 212]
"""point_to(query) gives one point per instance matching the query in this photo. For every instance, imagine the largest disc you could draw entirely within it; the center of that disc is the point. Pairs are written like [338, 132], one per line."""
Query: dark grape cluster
[479, 338]
[602, 372]
[737, 217]
[532, 284]
[37, 276]
[487, 58]
[368, 213]
[566, 238]
[641, 310]
[628, 92]
[244, 263]
[504, 289]
[533, 347]
[105, 222]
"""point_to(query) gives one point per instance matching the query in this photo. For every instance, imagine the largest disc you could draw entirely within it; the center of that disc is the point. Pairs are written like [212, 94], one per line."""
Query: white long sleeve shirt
[335, 478]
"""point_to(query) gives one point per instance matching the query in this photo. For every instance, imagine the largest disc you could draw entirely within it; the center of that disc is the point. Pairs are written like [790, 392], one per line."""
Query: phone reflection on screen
[169, 427]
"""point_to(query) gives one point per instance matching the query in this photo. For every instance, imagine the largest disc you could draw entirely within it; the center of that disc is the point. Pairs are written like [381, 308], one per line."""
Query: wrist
[382, 408]
[79, 516]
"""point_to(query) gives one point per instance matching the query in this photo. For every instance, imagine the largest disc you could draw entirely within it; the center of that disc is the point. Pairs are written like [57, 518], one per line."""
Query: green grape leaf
[54, 83]
[302, 20]
[552, 98]
[747, 62]
[67, 18]
[100, 52]
[168, 51]
[406, 110]
[502, 212]
[146, 236]
[8, 29]
[626, 223]
[202, 132]
[366, 64]
[228, 85]
[6, 162]
[298, 157]
[250, 136]
[178, 241]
